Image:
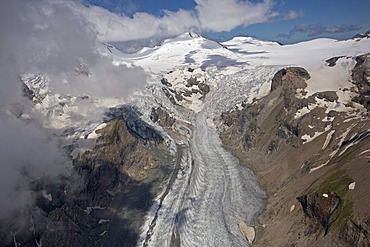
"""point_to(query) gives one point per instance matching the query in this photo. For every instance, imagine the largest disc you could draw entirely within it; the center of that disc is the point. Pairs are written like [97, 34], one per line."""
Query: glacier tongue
[219, 195]
[212, 192]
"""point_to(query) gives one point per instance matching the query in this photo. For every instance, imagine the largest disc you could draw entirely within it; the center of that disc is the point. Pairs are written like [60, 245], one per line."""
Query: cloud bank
[208, 16]
[225, 15]
[312, 30]
[51, 38]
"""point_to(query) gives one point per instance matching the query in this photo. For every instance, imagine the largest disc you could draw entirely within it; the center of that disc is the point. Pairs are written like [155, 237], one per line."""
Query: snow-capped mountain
[170, 164]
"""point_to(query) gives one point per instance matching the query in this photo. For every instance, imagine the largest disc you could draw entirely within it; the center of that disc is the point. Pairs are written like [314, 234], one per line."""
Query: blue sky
[294, 20]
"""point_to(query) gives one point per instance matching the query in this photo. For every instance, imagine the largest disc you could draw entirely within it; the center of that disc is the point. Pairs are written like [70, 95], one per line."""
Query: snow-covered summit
[184, 37]
[249, 40]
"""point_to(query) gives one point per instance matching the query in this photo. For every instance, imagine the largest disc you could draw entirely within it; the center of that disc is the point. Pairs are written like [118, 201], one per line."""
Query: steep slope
[308, 147]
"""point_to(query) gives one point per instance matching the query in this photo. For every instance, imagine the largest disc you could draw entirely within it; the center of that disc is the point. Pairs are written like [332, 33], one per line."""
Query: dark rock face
[204, 88]
[327, 95]
[28, 93]
[105, 186]
[135, 124]
[165, 82]
[86, 209]
[169, 95]
[162, 117]
[355, 234]
[248, 127]
[333, 61]
[361, 36]
[70, 226]
[277, 80]
[192, 81]
[321, 208]
[288, 76]
[360, 77]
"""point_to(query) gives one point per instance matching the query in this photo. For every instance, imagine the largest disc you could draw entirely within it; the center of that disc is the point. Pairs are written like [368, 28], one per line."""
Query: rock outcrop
[361, 78]
[247, 231]
[112, 186]
[306, 152]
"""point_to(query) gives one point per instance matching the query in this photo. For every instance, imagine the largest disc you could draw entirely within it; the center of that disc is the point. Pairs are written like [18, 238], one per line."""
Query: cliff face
[111, 187]
[310, 151]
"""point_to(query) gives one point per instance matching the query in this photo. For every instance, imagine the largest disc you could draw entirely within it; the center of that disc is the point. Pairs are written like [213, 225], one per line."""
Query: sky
[285, 21]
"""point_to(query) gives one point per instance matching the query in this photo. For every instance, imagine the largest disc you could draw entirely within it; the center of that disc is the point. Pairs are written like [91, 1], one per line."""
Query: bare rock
[320, 209]
[360, 77]
[327, 95]
[162, 117]
[248, 231]
[204, 88]
[287, 76]
[333, 61]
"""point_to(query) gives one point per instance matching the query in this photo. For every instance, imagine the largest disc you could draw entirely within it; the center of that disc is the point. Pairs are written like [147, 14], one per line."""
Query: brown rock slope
[105, 200]
[315, 165]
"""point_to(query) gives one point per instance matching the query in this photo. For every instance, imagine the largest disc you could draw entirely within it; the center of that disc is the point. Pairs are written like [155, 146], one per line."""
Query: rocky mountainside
[221, 134]
[104, 199]
[311, 154]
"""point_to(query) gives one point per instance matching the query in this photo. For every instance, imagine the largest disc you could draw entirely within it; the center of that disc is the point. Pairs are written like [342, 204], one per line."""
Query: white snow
[103, 221]
[93, 134]
[47, 196]
[334, 78]
[320, 166]
[327, 140]
[351, 186]
[301, 112]
[342, 138]
[364, 152]
[307, 138]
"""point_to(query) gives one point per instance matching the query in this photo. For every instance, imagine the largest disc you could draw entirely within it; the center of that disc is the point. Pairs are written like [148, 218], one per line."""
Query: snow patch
[103, 221]
[327, 140]
[93, 134]
[307, 138]
[318, 167]
[210, 123]
[47, 196]
[351, 186]
[364, 152]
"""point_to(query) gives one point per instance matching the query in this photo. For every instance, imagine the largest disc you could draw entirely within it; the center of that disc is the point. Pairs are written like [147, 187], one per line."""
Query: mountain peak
[187, 36]
[362, 35]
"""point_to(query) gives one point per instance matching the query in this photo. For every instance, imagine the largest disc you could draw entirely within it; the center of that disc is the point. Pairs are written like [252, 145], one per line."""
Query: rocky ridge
[307, 149]
[111, 187]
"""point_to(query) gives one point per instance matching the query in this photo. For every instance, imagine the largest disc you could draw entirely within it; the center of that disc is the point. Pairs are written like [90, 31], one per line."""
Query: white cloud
[46, 37]
[208, 15]
[225, 15]
[312, 30]
[113, 27]
[293, 15]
